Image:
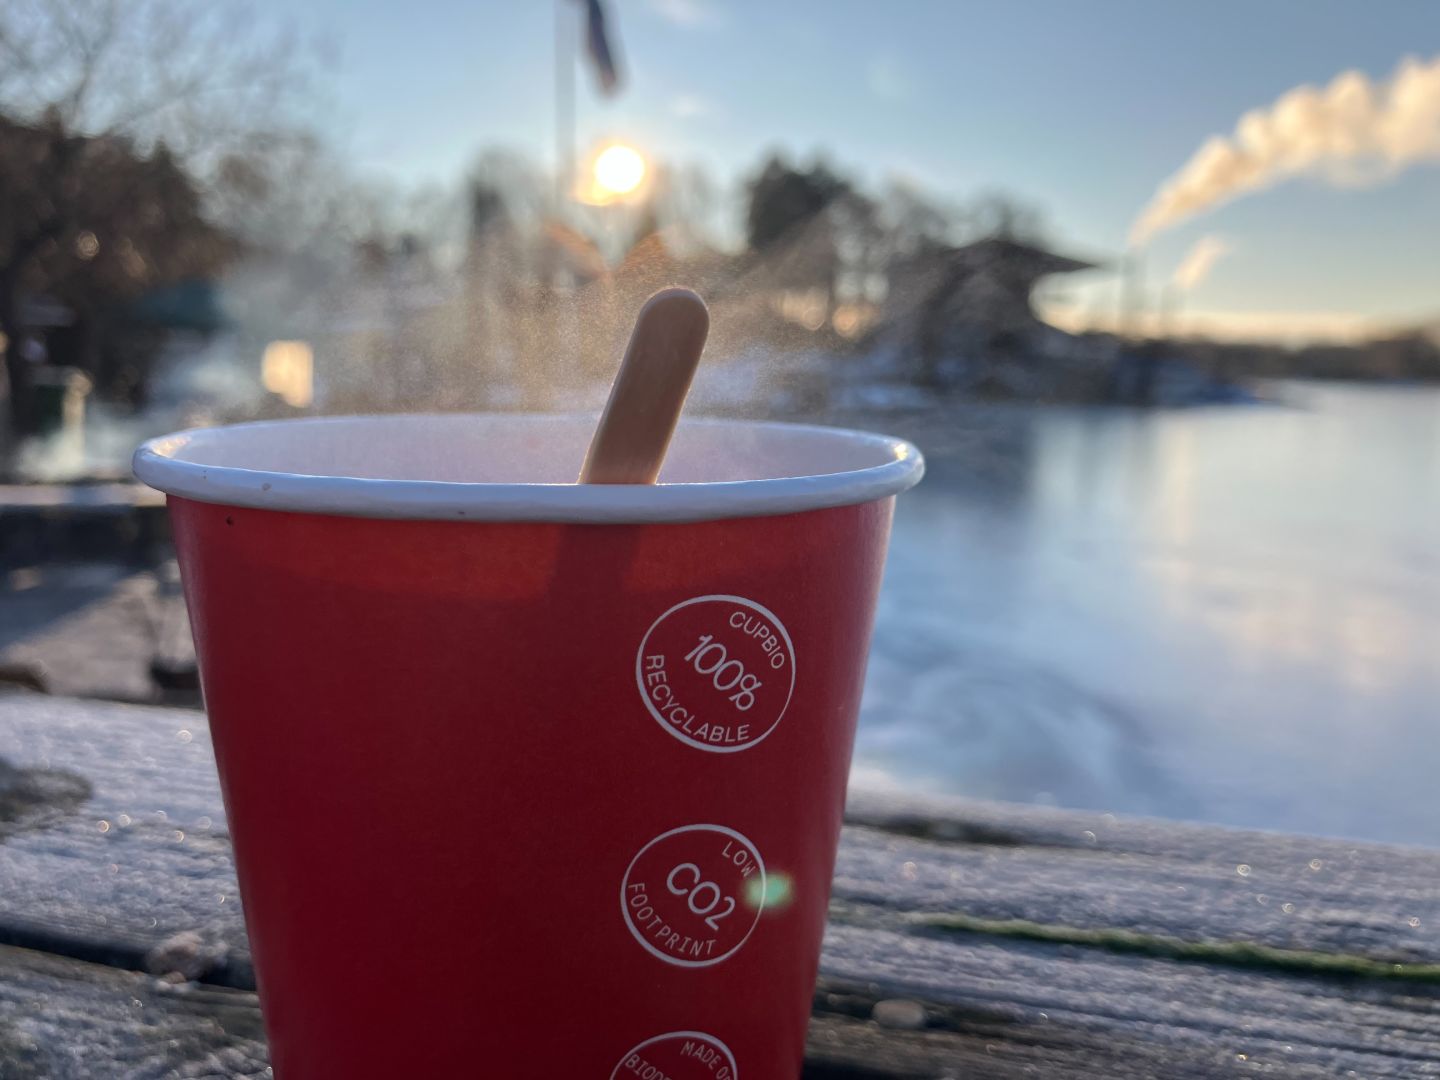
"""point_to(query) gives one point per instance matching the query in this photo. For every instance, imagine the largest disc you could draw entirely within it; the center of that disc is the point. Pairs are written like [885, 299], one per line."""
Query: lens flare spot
[774, 893]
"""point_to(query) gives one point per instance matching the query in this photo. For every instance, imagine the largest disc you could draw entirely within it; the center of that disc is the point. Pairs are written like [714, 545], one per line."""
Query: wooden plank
[98, 630]
[147, 852]
[121, 842]
[112, 840]
[1093, 1009]
[985, 1040]
[1189, 882]
[63, 1019]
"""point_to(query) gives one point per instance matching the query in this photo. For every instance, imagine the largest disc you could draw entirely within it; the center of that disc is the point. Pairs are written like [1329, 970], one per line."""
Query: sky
[1084, 109]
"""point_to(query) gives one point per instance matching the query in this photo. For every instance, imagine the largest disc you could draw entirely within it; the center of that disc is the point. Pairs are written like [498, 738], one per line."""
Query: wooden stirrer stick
[649, 390]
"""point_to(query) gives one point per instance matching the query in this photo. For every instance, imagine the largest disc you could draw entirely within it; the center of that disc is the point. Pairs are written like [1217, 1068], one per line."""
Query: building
[963, 318]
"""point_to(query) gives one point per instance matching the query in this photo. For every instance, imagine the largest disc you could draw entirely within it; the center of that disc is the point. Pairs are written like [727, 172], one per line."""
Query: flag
[597, 46]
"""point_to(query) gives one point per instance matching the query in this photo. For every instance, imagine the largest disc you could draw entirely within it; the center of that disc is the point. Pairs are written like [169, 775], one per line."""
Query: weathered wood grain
[62, 1019]
[112, 840]
[1090, 1005]
[1190, 882]
[147, 852]
[144, 855]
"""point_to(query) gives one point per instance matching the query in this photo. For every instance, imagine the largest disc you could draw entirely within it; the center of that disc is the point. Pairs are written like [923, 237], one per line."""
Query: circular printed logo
[717, 672]
[693, 895]
[680, 1055]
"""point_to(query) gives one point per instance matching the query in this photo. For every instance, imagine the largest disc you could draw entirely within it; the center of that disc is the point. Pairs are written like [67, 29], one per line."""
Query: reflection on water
[1231, 614]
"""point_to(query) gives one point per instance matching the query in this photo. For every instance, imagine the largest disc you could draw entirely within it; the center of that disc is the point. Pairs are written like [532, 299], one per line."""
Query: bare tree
[196, 86]
[202, 78]
[913, 221]
[1001, 215]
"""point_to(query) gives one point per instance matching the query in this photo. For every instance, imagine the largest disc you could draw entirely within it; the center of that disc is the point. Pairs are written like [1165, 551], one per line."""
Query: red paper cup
[525, 778]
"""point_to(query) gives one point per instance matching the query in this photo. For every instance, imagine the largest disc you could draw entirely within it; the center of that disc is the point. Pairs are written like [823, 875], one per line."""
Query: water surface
[1229, 614]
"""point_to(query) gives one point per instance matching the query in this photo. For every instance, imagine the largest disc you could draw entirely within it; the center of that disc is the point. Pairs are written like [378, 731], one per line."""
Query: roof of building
[1036, 261]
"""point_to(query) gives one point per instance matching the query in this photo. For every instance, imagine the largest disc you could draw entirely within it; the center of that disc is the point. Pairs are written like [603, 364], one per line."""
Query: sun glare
[619, 170]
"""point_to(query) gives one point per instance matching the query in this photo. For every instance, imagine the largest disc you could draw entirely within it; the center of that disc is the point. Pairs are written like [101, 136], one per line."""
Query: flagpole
[564, 106]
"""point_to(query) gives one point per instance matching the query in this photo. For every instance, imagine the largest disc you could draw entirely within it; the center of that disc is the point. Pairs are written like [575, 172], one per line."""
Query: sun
[619, 170]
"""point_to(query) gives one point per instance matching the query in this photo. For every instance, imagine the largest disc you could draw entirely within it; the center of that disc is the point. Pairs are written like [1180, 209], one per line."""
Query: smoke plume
[1199, 261]
[1353, 132]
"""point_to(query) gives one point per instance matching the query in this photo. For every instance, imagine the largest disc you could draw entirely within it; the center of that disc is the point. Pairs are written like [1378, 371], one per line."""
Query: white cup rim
[790, 463]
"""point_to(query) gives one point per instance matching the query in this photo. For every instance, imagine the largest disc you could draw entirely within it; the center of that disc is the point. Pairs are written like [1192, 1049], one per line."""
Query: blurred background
[1155, 287]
